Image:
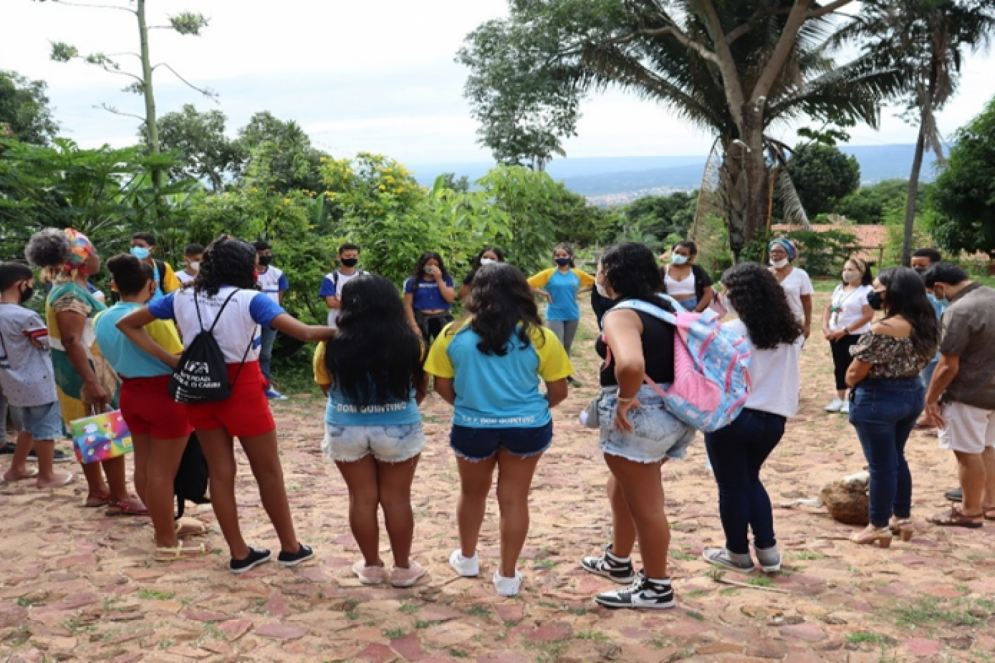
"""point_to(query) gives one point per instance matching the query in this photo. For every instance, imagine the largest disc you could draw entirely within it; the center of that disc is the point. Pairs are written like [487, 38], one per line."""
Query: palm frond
[791, 202]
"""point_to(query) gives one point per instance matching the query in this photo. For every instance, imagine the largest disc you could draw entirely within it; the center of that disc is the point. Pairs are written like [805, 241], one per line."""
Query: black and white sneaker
[643, 594]
[255, 558]
[303, 554]
[609, 566]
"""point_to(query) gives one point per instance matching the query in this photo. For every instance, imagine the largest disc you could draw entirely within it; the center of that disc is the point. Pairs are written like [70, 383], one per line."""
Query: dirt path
[78, 586]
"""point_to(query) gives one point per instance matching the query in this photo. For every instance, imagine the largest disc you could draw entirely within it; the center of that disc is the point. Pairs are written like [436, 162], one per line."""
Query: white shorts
[969, 429]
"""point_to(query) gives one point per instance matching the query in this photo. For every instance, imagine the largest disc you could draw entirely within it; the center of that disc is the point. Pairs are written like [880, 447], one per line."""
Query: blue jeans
[884, 413]
[689, 304]
[266, 351]
[737, 452]
[927, 373]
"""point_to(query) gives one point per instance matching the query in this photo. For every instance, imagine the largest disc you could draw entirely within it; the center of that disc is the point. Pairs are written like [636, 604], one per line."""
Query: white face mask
[602, 289]
[486, 261]
[850, 275]
[783, 262]
[195, 265]
[728, 304]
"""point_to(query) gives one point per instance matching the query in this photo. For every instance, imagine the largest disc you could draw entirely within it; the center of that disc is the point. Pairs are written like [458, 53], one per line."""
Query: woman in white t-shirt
[738, 451]
[845, 318]
[794, 281]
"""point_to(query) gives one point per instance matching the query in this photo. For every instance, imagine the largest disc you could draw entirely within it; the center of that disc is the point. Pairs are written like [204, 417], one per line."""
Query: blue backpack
[711, 376]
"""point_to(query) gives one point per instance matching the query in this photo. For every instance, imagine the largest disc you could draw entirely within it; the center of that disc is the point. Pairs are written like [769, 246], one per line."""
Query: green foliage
[662, 216]
[712, 239]
[281, 153]
[823, 253]
[963, 197]
[894, 222]
[871, 204]
[823, 175]
[24, 111]
[201, 146]
[188, 23]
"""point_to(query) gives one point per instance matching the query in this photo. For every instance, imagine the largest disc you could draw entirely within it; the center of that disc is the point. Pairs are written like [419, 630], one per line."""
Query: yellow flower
[382, 187]
[324, 159]
[286, 201]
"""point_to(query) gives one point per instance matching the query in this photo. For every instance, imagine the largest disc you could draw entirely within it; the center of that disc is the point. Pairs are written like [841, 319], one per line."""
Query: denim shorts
[656, 433]
[43, 422]
[388, 444]
[478, 444]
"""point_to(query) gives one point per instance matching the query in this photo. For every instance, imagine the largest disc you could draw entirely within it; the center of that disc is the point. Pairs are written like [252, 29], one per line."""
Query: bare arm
[332, 301]
[291, 326]
[556, 392]
[623, 330]
[807, 310]
[409, 311]
[946, 370]
[447, 291]
[866, 315]
[706, 298]
[857, 371]
[421, 389]
[133, 326]
[464, 291]
[444, 387]
[71, 326]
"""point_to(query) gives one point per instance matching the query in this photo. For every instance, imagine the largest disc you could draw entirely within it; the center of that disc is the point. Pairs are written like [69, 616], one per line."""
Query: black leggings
[842, 358]
[431, 325]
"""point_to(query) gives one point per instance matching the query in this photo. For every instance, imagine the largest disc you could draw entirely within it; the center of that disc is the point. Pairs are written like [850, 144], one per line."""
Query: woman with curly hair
[428, 295]
[738, 451]
[225, 291]
[637, 433]
[489, 366]
[487, 256]
[86, 384]
[372, 374]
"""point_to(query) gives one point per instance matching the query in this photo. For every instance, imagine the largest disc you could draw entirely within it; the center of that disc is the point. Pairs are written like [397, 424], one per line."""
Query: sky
[357, 76]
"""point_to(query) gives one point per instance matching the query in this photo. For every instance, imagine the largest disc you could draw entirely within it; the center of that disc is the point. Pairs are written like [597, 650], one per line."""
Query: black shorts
[478, 444]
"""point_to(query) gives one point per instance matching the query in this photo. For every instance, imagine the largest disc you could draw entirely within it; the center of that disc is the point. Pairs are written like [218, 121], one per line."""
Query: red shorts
[245, 413]
[148, 409]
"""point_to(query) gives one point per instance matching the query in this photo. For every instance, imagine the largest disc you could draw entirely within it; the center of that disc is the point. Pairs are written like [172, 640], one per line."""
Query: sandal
[190, 529]
[103, 499]
[179, 552]
[957, 518]
[131, 507]
[989, 514]
[32, 473]
[902, 527]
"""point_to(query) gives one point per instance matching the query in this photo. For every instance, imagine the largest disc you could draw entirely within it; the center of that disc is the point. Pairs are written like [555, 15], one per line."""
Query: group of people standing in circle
[501, 366]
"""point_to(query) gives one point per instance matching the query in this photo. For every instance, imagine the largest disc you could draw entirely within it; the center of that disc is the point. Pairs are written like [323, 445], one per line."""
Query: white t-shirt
[329, 288]
[238, 327]
[273, 282]
[847, 307]
[183, 277]
[775, 374]
[796, 285]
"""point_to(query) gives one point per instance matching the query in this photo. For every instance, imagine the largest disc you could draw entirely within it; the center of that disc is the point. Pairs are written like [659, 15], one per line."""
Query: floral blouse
[892, 358]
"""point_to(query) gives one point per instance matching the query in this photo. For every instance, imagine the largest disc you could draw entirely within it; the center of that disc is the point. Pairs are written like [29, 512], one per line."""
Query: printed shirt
[891, 358]
[272, 282]
[26, 374]
[330, 289]
[562, 288]
[235, 332]
[498, 392]
[426, 295]
[126, 358]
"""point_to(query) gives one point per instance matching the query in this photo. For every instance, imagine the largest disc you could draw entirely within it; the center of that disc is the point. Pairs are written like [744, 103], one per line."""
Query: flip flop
[32, 473]
[179, 552]
[190, 529]
[102, 500]
[989, 514]
[957, 518]
[70, 477]
[127, 508]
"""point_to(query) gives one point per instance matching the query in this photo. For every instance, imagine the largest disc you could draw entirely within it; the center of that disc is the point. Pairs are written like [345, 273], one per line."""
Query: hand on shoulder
[898, 327]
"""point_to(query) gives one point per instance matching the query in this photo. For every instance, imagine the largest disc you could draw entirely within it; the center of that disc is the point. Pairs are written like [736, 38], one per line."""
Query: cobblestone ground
[76, 585]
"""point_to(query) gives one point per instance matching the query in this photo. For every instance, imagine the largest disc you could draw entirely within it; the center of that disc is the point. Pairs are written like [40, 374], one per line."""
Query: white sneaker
[845, 409]
[835, 406]
[468, 567]
[507, 586]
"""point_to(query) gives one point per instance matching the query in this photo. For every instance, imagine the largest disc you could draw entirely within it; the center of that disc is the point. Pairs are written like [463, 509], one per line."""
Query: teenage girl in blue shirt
[428, 295]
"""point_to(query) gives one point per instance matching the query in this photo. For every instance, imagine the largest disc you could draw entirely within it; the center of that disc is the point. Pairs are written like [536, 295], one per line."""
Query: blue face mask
[942, 302]
[140, 252]
[678, 259]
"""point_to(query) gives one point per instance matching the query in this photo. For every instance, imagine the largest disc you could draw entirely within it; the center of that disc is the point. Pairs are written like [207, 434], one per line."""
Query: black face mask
[27, 294]
[920, 270]
[265, 260]
[349, 262]
[875, 300]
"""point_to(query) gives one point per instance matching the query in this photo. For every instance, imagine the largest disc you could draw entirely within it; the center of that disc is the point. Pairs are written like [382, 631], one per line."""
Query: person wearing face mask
[961, 396]
[28, 381]
[888, 397]
[332, 284]
[845, 318]
[192, 255]
[487, 256]
[159, 425]
[795, 281]
[560, 286]
[685, 281]
[143, 248]
[273, 282]
[922, 260]
[428, 295]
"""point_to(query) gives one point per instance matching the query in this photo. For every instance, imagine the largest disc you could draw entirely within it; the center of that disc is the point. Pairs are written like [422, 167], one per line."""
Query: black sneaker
[303, 554]
[955, 495]
[7, 449]
[643, 594]
[255, 558]
[609, 566]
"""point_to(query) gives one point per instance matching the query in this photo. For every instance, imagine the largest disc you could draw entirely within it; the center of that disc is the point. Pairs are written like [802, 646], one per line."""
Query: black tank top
[658, 351]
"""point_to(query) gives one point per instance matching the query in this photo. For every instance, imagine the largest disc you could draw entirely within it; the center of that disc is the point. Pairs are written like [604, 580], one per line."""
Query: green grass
[938, 612]
[155, 594]
[392, 633]
[697, 616]
[595, 636]
[479, 611]
[409, 608]
[695, 593]
[458, 653]
[683, 556]
[806, 555]
[760, 581]
[864, 637]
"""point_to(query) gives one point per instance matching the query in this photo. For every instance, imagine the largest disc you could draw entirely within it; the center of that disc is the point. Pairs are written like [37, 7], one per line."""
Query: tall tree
[280, 154]
[207, 153]
[24, 111]
[733, 67]
[823, 176]
[185, 23]
[927, 39]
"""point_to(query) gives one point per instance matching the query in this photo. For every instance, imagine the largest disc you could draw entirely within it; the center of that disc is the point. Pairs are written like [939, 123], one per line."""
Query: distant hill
[615, 180]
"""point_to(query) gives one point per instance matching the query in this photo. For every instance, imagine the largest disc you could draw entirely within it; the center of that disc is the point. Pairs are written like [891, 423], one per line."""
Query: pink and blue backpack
[711, 376]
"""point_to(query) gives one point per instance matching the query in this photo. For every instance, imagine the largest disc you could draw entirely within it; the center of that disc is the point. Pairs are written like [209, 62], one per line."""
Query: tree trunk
[910, 204]
[744, 182]
[151, 124]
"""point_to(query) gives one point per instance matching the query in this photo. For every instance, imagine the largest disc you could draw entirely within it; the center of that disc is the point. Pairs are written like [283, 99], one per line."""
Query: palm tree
[737, 68]
[926, 39]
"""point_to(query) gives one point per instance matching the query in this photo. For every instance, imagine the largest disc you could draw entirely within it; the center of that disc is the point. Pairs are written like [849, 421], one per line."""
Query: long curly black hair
[503, 308]
[419, 271]
[226, 262]
[905, 296]
[760, 301]
[632, 272]
[375, 357]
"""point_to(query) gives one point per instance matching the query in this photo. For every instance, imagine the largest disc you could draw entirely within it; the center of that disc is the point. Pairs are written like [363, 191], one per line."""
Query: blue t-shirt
[340, 412]
[427, 296]
[127, 359]
[499, 392]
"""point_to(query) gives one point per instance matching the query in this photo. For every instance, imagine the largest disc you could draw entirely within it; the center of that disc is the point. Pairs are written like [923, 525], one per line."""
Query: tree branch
[121, 73]
[111, 109]
[775, 63]
[91, 6]
[828, 9]
[685, 41]
[210, 94]
[731, 84]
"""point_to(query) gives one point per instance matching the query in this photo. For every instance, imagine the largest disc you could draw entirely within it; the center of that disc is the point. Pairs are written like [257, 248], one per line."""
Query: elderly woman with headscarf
[85, 382]
[795, 281]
